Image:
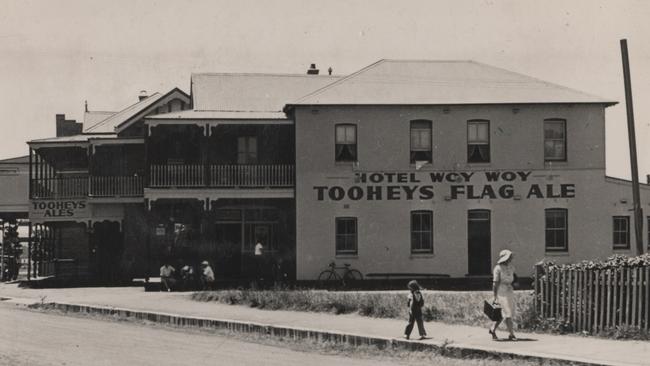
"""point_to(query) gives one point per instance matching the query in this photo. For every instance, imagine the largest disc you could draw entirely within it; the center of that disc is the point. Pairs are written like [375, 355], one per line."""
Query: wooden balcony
[251, 176]
[222, 176]
[81, 187]
[58, 188]
[110, 186]
[176, 175]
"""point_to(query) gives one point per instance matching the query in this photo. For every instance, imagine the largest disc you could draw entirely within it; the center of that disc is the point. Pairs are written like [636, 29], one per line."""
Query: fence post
[589, 302]
[634, 285]
[609, 298]
[639, 295]
[574, 276]
[627, 296]
[603, 288]
[596, 293]
[537, 276]
[646, 289]
[551, 294]
[579, 308]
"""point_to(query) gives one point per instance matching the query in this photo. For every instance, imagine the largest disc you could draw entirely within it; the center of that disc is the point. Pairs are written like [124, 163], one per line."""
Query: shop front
[184, 233]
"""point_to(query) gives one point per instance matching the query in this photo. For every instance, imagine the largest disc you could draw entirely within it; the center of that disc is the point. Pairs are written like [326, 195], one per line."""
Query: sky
[54, 55]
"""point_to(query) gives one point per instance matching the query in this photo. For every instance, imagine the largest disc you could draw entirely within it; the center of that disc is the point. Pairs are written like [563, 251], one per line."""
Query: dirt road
[35, 339]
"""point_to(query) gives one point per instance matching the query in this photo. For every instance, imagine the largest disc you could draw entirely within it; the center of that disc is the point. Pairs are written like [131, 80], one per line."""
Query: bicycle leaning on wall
[330, 276]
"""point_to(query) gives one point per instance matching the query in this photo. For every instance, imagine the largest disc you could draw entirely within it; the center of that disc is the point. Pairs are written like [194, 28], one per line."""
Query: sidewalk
[579, 349]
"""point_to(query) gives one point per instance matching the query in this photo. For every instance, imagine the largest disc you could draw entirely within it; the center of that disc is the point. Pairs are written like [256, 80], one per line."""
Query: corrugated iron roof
[92, 118]
[252, 92]
[190, 114]
[108, 125]
[17, 160]
[404, 82]
[74, 138]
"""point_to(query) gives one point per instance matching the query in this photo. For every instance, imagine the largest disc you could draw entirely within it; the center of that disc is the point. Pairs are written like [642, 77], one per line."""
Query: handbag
[492, 310]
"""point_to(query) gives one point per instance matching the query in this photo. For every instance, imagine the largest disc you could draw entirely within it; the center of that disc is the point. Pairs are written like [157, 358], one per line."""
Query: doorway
[479, 247]
[228, 249]
[107, 246]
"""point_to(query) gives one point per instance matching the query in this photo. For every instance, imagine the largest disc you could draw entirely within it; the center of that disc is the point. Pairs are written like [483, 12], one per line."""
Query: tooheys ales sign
[454, 185]
[61, 210]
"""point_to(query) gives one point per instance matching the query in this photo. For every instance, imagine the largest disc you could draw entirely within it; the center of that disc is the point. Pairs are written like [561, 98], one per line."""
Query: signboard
[58, 210]
[453, 185]
[160, 230]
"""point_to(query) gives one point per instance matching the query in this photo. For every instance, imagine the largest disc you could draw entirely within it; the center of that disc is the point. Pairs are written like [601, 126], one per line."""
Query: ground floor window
[346, 235]
[621, 232]
[556, 230]
[421, 232]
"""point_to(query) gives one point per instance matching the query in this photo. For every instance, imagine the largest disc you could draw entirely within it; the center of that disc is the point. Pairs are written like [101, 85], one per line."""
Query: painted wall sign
[58, 209]
[451, 185]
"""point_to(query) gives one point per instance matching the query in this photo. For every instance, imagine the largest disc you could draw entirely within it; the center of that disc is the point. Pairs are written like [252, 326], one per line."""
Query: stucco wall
[517, 222]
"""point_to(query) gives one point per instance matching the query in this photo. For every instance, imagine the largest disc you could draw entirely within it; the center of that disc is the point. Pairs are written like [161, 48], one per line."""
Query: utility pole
[631, 135]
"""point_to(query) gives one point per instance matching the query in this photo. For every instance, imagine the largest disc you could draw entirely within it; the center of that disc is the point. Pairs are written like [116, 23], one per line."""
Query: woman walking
[503, 277]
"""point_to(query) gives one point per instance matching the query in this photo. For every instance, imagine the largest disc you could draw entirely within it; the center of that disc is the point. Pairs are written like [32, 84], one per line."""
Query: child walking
[415, 304]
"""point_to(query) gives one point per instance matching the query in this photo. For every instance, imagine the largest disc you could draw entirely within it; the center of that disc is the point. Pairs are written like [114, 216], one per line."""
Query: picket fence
[594, 299]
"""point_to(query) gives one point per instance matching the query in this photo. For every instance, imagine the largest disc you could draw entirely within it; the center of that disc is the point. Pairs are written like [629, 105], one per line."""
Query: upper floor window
[421, 232]
[421, 141]
[621, 232]
[346, 142]
[478, 141]
[346, 235]
[554, 140]
[247, 150]
[557, 229]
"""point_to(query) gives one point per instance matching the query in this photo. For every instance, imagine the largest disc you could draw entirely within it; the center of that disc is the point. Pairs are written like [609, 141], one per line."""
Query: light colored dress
[505, 275]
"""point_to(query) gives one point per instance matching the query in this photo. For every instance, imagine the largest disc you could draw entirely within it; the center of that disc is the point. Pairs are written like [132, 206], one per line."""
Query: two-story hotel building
[423, 167]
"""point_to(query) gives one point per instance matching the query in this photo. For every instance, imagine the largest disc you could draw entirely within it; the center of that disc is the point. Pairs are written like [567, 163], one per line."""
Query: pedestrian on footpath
[167, 280]
[259, 261]
[415, 303]
[504, 295]
[207, 276]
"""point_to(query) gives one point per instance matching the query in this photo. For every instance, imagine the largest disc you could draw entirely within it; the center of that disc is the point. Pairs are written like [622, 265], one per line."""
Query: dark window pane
[346, 235]
[556, 229]
[422, 231]
[478, 153]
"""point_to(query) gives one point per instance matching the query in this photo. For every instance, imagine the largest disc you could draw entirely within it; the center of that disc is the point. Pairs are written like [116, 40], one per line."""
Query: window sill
[621, 249]
[347, 256]
[557, 253]
[427, 166]
[346, 163]
[421, 255]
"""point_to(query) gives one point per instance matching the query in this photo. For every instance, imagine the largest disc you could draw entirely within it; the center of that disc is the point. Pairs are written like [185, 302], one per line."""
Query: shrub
[446, 306]
[613, 262]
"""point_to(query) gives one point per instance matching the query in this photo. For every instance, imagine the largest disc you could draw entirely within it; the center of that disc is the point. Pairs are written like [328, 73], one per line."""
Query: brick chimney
[312, 70]
[67, 127]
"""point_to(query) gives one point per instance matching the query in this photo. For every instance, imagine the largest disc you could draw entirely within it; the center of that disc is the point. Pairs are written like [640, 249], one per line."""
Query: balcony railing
[251, 176]
[222, 176]
[176, 176]
[55, 188]
[81, 187]
[109, 186]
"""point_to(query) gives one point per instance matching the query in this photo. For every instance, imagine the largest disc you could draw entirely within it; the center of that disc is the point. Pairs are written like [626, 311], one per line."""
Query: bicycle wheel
[326, 277]
[352, 276]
